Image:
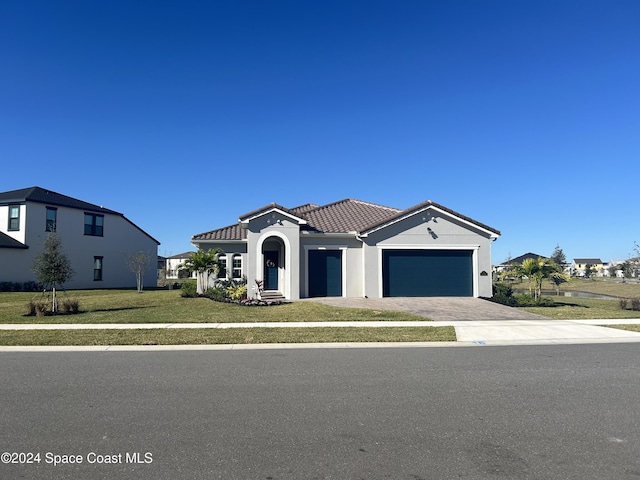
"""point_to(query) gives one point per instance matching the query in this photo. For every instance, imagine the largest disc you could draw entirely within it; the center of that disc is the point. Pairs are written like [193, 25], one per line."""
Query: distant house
[98, 241]
[174, 263]
[516, 261]
[579, 266]
[353, 248]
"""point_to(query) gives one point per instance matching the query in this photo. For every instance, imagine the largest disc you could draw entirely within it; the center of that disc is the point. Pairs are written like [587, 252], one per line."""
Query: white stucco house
[352, 248]
[174, 263]
[98, 241]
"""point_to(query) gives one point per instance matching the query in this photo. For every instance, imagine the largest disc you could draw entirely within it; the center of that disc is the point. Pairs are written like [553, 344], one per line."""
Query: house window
[52, 215]
[222, 273]
[237, 266]
[97, 269]
[93, 224]
[14, 217]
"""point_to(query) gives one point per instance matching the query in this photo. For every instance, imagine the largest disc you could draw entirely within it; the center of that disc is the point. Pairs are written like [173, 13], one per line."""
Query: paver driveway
[436, 308]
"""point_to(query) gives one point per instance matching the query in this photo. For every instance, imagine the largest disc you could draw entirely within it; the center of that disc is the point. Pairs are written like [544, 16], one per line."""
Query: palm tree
[537, 270]
[204, 263]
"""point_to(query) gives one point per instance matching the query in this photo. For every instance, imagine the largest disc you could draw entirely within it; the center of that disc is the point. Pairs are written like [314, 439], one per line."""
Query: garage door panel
[325, 273]
[427, 273]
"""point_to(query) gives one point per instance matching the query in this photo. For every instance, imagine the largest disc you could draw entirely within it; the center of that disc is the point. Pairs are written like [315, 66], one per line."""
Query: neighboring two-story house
[579, 266]
[98, 242]
[353, 248]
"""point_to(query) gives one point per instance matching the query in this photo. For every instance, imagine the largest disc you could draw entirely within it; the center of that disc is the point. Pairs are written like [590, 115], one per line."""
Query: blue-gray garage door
[427, 273]
[325, 273]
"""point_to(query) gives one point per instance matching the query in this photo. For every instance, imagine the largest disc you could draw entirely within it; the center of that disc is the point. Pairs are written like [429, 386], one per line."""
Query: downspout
[363, 273]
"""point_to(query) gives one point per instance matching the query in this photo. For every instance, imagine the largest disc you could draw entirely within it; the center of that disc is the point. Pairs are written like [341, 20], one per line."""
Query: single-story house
[353, 248]
[97, 241]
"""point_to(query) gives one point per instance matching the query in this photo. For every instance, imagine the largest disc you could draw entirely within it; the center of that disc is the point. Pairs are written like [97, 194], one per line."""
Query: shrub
[42, 308]
[503, 293]
[70, 306]
[623, 303]
[237, 292]
[218, 294]
[635, 304]
[31, 308]
[189, 289]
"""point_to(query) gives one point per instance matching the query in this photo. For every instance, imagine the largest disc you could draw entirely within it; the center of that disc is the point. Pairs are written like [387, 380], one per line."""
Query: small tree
[204, 263]
[52, 267]
[558, 256]
[138, 264]
[558, 278]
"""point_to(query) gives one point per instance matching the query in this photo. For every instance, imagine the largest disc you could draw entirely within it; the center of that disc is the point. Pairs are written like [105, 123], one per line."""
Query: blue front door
[271, 270]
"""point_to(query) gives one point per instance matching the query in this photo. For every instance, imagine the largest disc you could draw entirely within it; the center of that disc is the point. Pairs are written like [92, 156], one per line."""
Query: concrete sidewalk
[479, 332]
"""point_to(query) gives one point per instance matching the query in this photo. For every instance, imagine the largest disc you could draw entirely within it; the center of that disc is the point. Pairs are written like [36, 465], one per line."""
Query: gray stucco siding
[351, 249]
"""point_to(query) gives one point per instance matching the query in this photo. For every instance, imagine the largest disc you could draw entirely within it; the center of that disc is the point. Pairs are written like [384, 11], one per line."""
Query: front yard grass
[575, 308]
[167, 306]
[209, 336]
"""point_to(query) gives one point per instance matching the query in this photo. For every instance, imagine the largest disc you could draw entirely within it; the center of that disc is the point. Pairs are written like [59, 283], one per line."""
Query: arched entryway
[272, 268]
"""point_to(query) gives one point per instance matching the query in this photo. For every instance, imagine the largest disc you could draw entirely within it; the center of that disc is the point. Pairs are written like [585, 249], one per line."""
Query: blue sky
[524, 115]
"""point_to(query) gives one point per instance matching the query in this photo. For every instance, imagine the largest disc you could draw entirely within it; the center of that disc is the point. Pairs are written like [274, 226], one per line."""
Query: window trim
[98, 268]
[222, 273]
[15, 219]
[95, 230]
[53, 226]
[234, 269]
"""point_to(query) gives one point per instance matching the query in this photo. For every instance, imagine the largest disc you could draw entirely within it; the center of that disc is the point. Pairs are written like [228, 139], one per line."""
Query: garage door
[427, 273]
[325, 273]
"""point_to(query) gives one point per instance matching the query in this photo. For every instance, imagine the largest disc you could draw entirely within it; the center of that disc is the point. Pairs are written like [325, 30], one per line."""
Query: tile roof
[232, 232]
[344, 216]
[347, 215]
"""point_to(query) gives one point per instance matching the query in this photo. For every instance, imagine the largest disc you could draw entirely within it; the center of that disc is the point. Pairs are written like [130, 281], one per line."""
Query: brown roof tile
[347, 215]
[232, 232]
[344, 216]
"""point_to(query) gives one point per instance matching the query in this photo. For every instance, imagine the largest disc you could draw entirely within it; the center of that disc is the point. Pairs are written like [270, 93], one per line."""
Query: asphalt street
[485, 412]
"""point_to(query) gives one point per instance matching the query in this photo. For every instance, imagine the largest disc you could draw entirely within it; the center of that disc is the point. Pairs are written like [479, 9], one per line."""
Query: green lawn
[167, 306]
[592, 285]
[568, 308]
[572, 308]
[184, 336]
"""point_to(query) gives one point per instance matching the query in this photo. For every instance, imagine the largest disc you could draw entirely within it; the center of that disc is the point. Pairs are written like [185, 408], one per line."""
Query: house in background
[97, 241]
[352, 248]
[579, 266]
[174, 263]
[516, 261]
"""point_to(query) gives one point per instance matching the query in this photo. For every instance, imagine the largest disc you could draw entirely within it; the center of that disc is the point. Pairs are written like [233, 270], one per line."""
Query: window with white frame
[237, 266]
[222, 273]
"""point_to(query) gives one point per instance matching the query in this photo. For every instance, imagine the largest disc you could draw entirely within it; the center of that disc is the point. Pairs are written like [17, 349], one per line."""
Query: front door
[271, 270]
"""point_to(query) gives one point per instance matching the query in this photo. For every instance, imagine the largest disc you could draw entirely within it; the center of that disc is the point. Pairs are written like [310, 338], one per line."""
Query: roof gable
[272, 207]
[422, 207]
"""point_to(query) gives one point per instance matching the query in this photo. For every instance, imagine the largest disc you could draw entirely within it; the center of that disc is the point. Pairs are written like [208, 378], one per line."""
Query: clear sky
[521, 114]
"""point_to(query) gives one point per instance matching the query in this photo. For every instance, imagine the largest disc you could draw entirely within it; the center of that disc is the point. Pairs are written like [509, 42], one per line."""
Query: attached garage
[427, 273]
[325, 273]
